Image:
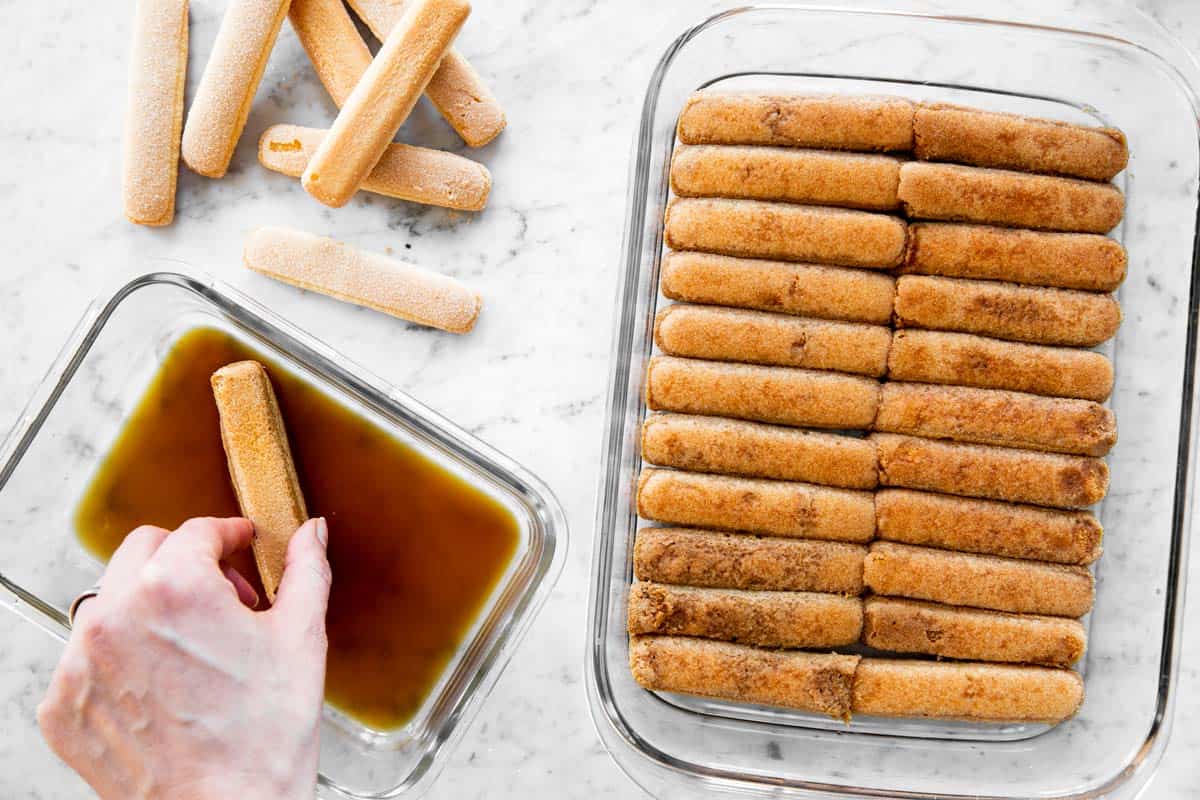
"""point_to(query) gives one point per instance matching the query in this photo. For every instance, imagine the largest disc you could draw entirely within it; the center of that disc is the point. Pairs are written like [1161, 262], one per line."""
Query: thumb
[303, 594]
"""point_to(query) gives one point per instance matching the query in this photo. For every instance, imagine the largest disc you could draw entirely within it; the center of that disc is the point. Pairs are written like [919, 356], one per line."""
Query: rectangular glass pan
[675, 745]
[55, 449]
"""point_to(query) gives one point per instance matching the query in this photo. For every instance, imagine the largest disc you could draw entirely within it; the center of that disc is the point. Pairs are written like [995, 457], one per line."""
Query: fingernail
[257, 600]
[322, 532]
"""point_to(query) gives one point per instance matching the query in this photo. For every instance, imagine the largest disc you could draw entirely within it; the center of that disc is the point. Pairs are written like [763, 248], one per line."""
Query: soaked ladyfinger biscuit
[813, 682]
[767, 619]
[338, 53]
[834, 122]
[996, 473]
[260, 464]
[231, 77]
[987, 526]
[782, 395]
[944, 132]
[910, 626]
[383, 99]
[154, 113]
[456, 89]
[819, 177]
[365, 279]
[757, 229]
[737, 561]
[999, 197]
[752, 449]
[994, 416]
[967, 579]
[1007, 311]
[775, 508]
[406, 172]
[757, 337]
[1039, 258]
[965, 691]
[963, 359]
[808, 290]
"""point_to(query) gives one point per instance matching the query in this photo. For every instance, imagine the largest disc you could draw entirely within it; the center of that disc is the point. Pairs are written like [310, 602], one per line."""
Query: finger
[245, 591]
[135, 550]
[211, 539]
[303, 594]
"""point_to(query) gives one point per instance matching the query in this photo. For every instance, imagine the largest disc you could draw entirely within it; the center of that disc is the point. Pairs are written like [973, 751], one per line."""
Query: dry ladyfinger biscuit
[766, 619]
[999, 197]
[777, 508]
[818, 177]
[987, 526]
[1007, 311]
[813, 682]
[993, 416]
[456, 89]
[998, 473]
[736, 561]
[260, 464]
[382, 99]
[909, 626]
[836, 122]
[417, 174]
[757, 337]
[808, 290]
[781, 395]
[757, 229]
[154, 114]
[715, 444]
[366, 279]
[944, 132]
[964, 579]
[966, 360]
[1040, 258]
[222, 102]
[337, 51]
[973, 692]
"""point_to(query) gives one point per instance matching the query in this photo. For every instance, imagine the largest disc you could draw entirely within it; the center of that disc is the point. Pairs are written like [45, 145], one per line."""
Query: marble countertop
[530, 380]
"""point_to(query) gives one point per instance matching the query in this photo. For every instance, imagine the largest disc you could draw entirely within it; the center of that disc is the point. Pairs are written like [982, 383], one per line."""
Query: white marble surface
[530, 380]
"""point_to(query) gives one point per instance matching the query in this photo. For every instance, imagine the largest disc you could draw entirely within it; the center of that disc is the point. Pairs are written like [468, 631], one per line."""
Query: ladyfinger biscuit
[734, 447]
[782, 395]
[365, 279]
[803, 289]
[776, 508]
[1007, 311]
[737, 561]
[757, 229]
[944, 132]
[222, 102]
[337, 51]
[154, 113]
[998, 473]
[260, 464]
[999, 197]
[382, 99]
[909, 626]
[813, 682]
[963, 579]
[416, 174]
[986, 526]
[758, 337]
[972, 692]
[993, 416]
[766, 619]
[818, 177]
[1038, 258]
[834, 122]
[962, 359]
[456, 90]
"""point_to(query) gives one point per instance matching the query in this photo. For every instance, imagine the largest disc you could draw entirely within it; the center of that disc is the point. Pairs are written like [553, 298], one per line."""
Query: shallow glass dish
[98, 380]
[1139, 81]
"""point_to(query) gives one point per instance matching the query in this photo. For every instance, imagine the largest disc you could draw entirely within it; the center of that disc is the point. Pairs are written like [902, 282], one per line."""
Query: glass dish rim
[607, 718]
[465, 693]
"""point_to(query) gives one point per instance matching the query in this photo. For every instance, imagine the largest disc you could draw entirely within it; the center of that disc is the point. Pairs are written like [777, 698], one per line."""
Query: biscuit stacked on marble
[877, 420]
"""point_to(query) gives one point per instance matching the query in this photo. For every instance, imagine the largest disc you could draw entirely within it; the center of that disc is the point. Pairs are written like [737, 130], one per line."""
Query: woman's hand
[170, 687]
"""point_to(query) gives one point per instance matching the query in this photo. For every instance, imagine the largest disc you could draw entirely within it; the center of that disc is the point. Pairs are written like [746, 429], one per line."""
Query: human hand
[170, 687]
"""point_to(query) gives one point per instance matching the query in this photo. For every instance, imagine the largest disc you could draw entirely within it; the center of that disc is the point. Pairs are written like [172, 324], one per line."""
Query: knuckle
[96, 636]
[321, 570]
[148, 533]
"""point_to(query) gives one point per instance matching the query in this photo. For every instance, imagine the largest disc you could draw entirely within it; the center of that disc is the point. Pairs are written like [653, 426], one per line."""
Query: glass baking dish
[1139, 81]
[81, 406]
